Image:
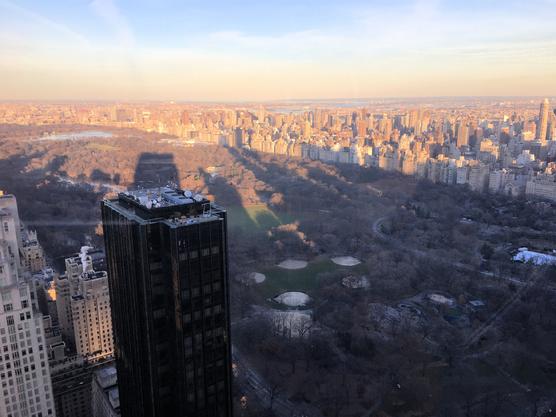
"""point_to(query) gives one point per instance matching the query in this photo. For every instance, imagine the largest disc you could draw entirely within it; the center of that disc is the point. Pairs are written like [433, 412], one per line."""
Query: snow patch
[346, 261]
[536, 258]
[292, 323]
[440, 299]
[257, 277]
[292, 264]
[293, 299]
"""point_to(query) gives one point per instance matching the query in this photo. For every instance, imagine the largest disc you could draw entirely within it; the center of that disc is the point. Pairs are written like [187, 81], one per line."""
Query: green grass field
[256, 218]
[306, 280]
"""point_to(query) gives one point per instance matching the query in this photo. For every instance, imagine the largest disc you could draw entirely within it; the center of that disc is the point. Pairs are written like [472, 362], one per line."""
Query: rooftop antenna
[172, 183]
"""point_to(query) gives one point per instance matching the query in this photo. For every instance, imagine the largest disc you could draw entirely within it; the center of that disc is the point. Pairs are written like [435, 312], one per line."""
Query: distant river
[86, 134]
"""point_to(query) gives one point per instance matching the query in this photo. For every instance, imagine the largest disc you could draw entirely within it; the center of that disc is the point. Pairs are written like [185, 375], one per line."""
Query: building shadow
[155, 170]
[328, 209]
[44, 201]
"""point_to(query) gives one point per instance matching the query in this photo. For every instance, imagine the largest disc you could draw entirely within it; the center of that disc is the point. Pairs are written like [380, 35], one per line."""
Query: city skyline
[109, 50]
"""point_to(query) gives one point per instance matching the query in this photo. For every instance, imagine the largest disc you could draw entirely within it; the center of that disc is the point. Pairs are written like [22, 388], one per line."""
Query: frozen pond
[86, 134]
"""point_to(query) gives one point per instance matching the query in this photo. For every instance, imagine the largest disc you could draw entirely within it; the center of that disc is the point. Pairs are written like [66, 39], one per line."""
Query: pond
[86, 134]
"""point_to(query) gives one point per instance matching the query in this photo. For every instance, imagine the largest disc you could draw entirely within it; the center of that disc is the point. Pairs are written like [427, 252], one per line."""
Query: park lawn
[279, 280]
[255, 218]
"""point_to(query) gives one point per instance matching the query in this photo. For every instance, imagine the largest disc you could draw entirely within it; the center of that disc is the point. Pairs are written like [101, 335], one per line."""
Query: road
[523, 286]
[254, 384]
[481, 330]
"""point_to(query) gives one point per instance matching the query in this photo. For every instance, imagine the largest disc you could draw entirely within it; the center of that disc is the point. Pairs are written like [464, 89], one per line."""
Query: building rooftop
[164, 203]
[114, 398]
[107, 375]
[153, 198]
[91, 275]
[107, 380]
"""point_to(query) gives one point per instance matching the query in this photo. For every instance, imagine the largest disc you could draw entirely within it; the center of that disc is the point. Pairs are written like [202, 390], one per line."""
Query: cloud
[44, 22]
[418, 47]
[109, 12]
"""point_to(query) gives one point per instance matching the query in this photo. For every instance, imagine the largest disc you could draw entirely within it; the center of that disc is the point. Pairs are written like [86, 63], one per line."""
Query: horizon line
[281, 100]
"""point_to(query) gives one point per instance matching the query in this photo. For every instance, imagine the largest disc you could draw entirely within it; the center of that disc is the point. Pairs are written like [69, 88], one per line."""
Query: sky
[225, 50]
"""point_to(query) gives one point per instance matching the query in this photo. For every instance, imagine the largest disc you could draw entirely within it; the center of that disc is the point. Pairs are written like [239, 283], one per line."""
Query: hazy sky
[266, 49]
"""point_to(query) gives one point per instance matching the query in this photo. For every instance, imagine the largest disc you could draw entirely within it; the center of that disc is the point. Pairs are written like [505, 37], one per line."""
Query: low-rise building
[105, 395]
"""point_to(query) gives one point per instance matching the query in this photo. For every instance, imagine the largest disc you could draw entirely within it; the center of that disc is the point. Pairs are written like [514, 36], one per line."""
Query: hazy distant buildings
[427, 141]
[167, 260]
[542, 186]
[463, 135]
[479, 177]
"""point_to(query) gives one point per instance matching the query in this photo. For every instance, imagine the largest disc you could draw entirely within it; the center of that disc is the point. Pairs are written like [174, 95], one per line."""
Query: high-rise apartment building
[67, 286]
[92, 321]
[542, 129]
[168, 272]
[83, 306]
[26, 389]
[32, 254]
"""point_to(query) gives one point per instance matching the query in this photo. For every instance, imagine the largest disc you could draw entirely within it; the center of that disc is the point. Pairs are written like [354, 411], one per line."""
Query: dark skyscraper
[167, 260]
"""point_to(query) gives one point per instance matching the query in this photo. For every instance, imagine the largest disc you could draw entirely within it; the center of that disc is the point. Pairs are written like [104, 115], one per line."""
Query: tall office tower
[238, 138]
[415, 121]
[318, 119]
[24, 373]
[543, 120]
[168, 274]
[463, 135]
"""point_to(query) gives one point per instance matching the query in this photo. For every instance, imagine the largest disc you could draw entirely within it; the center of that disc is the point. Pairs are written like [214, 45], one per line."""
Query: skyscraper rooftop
[168, 203]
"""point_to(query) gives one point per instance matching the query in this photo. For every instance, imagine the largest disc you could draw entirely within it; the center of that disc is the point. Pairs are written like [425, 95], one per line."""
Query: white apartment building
[92, 321]
[83, 305]
[26, 389]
